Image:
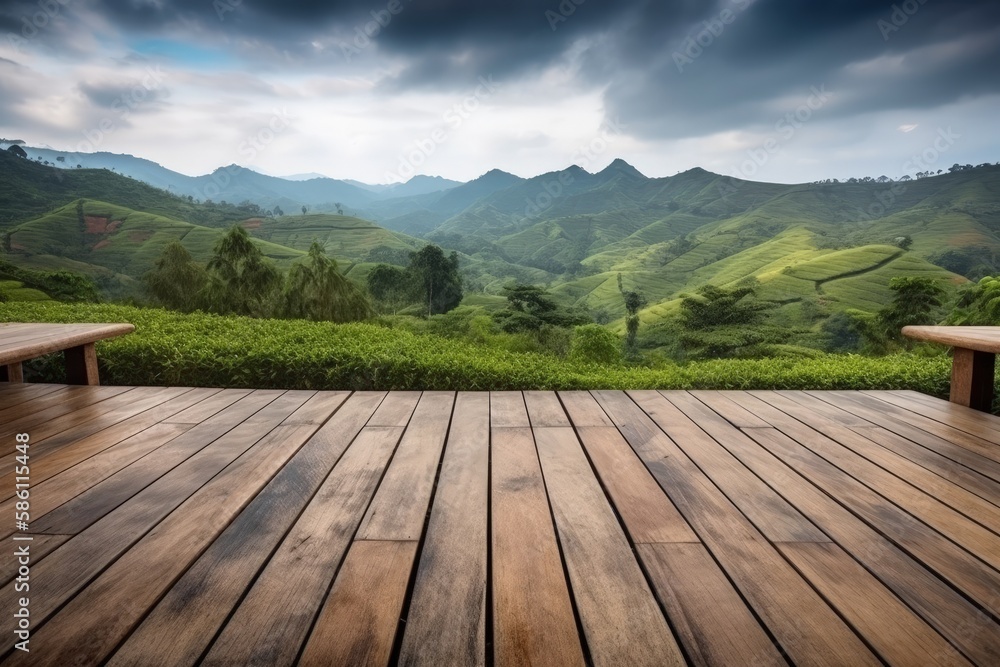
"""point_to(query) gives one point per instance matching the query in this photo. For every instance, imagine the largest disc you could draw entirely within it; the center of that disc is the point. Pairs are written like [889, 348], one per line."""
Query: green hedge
[171, 348]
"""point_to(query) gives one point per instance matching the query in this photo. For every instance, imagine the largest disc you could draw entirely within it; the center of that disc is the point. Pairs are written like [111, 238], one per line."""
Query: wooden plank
[683, 419]
[621, 619]
[73, 453]
[532, 612]
[71, 567]
[203, 410]
[56, 337]
[507, 409]
[647, 513]
[81, 365]
[951, 562]
[46, 409]
[974, 422]
[93, 623]
[583, 410]
[713, 623]
[908, 424]
[397, 410]
[898, 635]
[182, 625]
[807, 629]
[941, 605]
[944, 490]
[984, 339]
[12, 395]
[177, 457]
[446, 624]
[272, 622]
[40, 546]
[358, 623]
[544, 409]
[975, 537]
[399, 508]
[60, 489]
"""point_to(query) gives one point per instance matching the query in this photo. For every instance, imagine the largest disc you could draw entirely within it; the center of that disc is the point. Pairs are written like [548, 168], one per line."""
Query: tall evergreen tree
[438, 276]
[316, 290]
[240, 279]
[176, 281]
[633, 304]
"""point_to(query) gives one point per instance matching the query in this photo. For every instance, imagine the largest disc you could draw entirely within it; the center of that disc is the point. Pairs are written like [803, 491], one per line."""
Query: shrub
[592, 343]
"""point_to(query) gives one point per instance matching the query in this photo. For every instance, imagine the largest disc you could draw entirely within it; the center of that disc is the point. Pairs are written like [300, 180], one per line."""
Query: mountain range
[816, 249]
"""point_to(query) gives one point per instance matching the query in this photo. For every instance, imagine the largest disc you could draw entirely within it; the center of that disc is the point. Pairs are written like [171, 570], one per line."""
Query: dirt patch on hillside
[252, 223]
[96, 224]
[140, 236]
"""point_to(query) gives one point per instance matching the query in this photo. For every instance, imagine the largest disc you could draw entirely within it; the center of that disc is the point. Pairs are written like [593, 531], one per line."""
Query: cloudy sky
[376, 90]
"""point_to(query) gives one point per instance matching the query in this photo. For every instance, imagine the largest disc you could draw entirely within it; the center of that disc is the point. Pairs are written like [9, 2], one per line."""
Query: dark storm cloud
[671, 68]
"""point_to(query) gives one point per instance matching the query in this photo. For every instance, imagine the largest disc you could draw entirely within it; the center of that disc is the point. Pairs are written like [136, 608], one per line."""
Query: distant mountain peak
[620, 166]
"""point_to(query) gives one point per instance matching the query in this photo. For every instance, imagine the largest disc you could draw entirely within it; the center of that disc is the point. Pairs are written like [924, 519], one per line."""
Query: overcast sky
[777, 90]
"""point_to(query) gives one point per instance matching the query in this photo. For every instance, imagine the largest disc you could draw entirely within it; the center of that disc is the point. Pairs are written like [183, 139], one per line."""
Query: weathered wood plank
[507, 409]
[93, 623]
[69, 568]
[944, 608]
[270, 625]
[532, 613]
[358, 623]
[713, 623]
[684, 419]
[973, 422]
[544, 409]
[47, 408]
[184, 622]
[803, 623]
[446, 624]
[621, 619]
[889, 626]
[399, 508]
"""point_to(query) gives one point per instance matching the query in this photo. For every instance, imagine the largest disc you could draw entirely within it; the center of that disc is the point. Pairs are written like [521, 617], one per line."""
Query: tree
[17, 151]
[303, 210]
[633, 303]
[277, 211]
[441, 284]
[176, 281]
[529, 308]
[978, 304]
[913, 302]
[340, 208]
[315, 289]
[594, 344]
[240, 279]
[391, 287]
[719, 322]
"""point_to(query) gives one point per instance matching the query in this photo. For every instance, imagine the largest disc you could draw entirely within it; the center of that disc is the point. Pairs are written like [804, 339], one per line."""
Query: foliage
[241, 280]
[633, 303]
[439, 278]
[529, 308]
[315, 289]
[170, 348]
[390, 286]
[59, 285]
[914, 300]
[177, 281]
[716, 306]
[720, 322]
[592, 343]
[978, 304]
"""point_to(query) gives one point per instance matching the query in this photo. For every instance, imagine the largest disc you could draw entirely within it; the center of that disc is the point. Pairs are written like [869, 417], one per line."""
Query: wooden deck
[234, 527]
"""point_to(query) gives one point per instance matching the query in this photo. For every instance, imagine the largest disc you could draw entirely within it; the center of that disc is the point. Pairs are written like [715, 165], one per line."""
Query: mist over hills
[816, 248]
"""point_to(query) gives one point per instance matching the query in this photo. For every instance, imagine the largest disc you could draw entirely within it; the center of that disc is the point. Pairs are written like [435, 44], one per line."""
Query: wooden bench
[973, 360]
[21, 342]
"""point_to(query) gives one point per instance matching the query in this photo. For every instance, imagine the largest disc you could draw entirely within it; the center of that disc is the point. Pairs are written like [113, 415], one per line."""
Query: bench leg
[81, 365]
[972, 379]
[12, 373]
